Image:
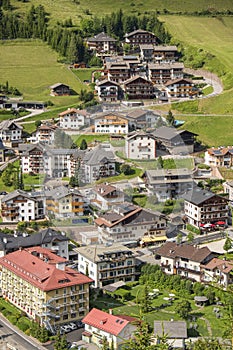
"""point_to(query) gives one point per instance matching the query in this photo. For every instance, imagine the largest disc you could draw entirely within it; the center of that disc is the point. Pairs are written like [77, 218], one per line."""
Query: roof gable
[105, 321]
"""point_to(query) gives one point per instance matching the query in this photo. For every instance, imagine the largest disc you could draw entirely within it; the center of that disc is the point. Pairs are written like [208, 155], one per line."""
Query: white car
[65, 329]
[73, 326]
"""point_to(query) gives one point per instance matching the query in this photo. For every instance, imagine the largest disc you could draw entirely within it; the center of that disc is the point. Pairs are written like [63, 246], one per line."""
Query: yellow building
[63, 202]
[38, 282]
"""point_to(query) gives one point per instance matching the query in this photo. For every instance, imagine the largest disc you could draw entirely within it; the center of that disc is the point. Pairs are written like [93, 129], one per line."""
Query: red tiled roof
[105, 321]
[42, 274]
[46, 255]
[104, 189]
[222, 265]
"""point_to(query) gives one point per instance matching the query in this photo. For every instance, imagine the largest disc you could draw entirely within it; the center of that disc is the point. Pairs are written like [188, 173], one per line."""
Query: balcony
[186, 269]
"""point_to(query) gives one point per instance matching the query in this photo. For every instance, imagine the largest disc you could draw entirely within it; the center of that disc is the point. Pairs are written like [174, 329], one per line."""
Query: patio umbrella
[207, 225]
[220, 223]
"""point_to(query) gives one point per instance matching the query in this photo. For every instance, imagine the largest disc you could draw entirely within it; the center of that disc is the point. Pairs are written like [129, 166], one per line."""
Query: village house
[180, 88]
[219, 157]
[127, 222]
[74, 118]
[228, 188]
[217, 271]
[162, 73]
[142, 118]
[107, 264]
[176, 333]
[184, 260]
[59, 89]
[108, 91]
[10, 133]
[140, 36]
[147, 52]
[102, 43]
[138, 88]
[20, 205]
[111, 123]
[63, 202]
[140, 145]
[100, 325]
[39, 283]
[98, 163]
[168, 183]
[165, 53]
[175, 141]
[43, 134]
[104, 196]
[2, 152]
[48, 238]
[118, 71]
[203, 207]
[41, 159]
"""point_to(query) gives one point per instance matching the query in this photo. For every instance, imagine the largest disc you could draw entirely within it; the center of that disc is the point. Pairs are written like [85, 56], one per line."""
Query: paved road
[3, 166]
[32, 114]
[12, 335]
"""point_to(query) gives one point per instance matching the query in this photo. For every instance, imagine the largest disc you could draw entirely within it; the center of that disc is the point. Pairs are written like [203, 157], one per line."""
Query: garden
[157, 296]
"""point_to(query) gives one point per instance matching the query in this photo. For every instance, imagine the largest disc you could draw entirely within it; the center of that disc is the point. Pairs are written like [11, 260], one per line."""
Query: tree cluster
[12, 175]
[68, 40]
[9, 90]
[63, 140]
[155, 277]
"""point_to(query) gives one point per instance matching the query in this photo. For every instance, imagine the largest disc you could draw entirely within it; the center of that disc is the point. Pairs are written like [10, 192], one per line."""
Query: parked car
[73, 326]
[80, 324]
[65, 329]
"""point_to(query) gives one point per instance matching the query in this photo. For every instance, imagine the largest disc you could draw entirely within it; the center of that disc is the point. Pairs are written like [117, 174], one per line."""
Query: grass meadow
[32, 67]
[213, 34]
[65, 9]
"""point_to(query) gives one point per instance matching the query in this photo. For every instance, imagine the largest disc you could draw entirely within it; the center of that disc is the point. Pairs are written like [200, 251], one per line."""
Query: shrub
[12, 319]
[6, 313]
[23, 324]
[193, 229]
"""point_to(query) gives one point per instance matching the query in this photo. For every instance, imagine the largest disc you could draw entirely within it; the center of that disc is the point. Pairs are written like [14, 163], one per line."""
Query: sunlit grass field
[32, 67]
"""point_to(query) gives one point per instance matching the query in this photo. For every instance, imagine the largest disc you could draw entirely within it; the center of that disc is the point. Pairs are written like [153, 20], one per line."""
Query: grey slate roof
[165, 48]
[6, 124]
[101, 37]
[198, 196]
[174, 65]
[138, 31]
[17, 193]
[173, 329]
[93, 252]
[168, 133]
[98, 156]
[46, 149]
[37, 239]
[57, 85]
[61, 192]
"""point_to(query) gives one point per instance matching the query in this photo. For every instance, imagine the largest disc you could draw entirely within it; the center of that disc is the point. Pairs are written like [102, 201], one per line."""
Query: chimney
[110, 311]
[61, 266]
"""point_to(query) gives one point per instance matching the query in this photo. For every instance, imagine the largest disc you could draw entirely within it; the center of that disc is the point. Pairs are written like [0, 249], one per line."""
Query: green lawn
[164, 311]
[66, 9]
[212, 130]
[212, 34]
[32, 67]
[90, 138]
[83, 73]
[167, 163]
